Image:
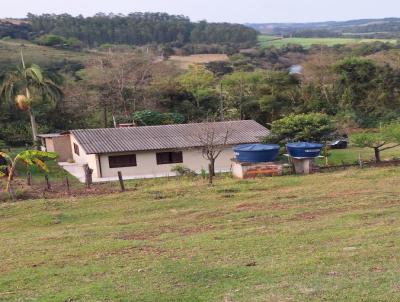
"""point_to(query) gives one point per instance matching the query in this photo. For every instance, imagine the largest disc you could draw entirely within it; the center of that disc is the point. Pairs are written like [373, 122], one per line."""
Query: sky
[236, 11]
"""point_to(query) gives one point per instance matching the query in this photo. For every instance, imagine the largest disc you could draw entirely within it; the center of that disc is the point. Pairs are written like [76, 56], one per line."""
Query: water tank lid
[304, 145]
[256, 147]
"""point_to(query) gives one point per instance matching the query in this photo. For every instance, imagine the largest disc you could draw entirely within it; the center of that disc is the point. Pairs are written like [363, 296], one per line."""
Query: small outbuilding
[59, 143]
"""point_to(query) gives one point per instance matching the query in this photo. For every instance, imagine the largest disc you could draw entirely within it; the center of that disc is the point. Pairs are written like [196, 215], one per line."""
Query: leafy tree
[30, 158]
[313, 127]
[30, 88]
[199, 82]
[151, 118]
[387, 137]
[241, 91]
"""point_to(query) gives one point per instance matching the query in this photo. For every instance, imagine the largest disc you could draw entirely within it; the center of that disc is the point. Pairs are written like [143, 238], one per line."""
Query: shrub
[182, 170]
[314, 127]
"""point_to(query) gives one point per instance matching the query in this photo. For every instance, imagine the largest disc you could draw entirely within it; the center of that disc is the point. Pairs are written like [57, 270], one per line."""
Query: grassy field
[325, 237]
[42, 55]
[267, 41]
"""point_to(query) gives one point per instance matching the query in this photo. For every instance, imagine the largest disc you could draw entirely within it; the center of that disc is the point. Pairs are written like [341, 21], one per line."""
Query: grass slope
[325, 237]
[42, 55]
[267, 41]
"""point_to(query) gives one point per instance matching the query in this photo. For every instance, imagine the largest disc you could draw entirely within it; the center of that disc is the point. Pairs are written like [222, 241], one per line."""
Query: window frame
[171, 160]
[77, 149]
[119, 163]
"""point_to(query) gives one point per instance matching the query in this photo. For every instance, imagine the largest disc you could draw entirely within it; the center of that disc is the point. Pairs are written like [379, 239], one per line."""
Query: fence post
[121, 181]
[29, 178]
[67, 184]
[46, 178]
[88, 175]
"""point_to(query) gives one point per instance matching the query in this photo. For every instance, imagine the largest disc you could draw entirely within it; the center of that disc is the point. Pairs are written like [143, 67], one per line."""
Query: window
[164, 158]
[76, 149]
[121, 161]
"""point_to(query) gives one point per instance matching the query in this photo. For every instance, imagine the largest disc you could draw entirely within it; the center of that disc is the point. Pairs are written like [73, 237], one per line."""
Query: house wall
[62, 146]
[91, 159]
[147, 164]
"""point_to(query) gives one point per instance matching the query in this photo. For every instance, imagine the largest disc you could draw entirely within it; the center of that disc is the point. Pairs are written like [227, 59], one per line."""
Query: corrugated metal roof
[113, 140]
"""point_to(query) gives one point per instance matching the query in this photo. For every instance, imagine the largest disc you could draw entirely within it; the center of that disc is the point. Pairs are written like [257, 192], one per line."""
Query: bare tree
[214, 138]
[119, 77]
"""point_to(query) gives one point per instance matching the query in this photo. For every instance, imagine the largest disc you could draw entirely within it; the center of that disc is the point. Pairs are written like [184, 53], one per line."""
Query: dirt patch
[141, 236]
[186, 61]
[250, 206]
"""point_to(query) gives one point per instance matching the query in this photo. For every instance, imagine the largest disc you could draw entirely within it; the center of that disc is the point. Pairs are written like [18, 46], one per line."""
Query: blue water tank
[303, 149]
[256, 153]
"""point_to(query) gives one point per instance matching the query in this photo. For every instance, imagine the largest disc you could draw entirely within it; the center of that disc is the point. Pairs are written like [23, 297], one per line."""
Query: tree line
[131, 29]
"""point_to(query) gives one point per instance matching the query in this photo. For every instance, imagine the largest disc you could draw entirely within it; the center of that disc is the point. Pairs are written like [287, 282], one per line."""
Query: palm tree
[28, 85]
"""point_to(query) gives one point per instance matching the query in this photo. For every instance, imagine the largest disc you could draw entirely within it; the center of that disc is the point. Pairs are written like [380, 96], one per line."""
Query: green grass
[41, 55]
[352, 154]
[267, 41]
[325, 237]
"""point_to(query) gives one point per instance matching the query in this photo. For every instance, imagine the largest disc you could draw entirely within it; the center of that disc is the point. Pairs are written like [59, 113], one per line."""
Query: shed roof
[114, 140]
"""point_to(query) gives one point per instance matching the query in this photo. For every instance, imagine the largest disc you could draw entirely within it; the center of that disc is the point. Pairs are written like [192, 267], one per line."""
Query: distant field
[186, 61]
[266, 41]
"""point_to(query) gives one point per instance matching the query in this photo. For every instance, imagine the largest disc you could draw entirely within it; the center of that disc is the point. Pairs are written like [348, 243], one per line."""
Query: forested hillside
[132, 29]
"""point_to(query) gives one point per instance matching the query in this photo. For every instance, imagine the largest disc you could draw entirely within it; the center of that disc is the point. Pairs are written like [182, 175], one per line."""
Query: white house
[151, 151]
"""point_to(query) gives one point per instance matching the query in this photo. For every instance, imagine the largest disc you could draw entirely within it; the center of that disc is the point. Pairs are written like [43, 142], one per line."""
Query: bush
[182, 170]
[314, 127]
[151, 118]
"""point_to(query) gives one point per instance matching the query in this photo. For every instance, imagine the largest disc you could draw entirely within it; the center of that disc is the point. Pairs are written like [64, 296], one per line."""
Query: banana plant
[30, 158]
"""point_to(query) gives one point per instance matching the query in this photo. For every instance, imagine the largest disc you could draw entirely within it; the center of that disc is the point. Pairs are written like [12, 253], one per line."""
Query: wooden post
[121, 181]
[29, 178]
[88, 176]
[67, 184]
[360, 162]
[46, 178]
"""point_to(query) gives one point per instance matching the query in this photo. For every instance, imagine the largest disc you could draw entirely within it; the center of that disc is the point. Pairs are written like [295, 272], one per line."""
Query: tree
[30, 158]
[119, 79]
[313, 127]
[29, 86]
[214, 140]
[241, 91]
[387, 137]
[199, 82]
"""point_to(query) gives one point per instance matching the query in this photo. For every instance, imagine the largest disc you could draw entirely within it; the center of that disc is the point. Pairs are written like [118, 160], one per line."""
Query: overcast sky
[240, 11]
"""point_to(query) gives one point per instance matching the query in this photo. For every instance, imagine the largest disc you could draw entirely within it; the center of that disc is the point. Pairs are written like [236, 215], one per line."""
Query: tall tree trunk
[34, 126]
[210, 174]
[377, 155]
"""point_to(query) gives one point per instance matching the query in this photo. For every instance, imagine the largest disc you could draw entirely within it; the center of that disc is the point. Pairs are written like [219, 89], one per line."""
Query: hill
[378, 28]
[325, 237]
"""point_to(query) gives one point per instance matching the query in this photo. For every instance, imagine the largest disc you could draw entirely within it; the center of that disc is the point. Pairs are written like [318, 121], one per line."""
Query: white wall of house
[147, 163]
[91, 159]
